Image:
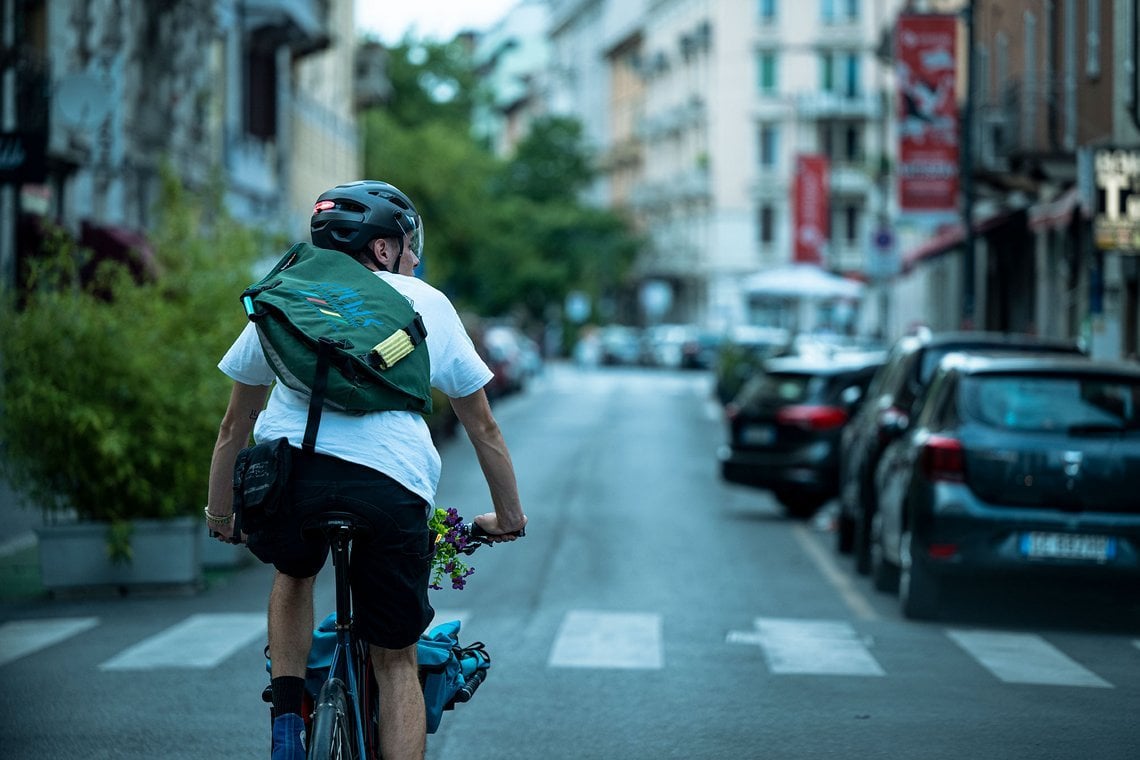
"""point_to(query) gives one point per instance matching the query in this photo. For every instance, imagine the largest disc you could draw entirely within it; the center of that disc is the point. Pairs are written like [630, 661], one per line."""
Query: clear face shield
[413, 228]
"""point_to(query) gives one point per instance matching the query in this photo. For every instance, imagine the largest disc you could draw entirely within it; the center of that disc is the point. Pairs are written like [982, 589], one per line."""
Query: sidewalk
[19, 521]
[19, 550]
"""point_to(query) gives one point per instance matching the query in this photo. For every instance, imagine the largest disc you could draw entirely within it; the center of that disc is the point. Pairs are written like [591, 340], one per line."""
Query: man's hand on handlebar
[498, 531]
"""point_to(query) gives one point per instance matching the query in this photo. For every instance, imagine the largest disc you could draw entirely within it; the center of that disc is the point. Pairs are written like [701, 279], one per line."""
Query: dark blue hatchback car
[1017, 466]
[785, 424]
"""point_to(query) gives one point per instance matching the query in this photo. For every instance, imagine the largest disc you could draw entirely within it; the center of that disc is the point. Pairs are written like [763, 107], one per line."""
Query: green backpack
[333, 330]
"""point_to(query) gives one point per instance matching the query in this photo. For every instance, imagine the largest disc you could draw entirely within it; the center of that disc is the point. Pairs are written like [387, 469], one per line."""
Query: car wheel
[884, 574]
[862, 542]
[918, 588]
[799, 506]
[844, 533]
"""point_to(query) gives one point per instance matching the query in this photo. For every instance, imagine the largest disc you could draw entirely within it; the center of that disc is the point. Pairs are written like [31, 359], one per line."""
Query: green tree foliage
[502, 238]
[550, 164]
[111, 393]
[431, 82]
[445, 173]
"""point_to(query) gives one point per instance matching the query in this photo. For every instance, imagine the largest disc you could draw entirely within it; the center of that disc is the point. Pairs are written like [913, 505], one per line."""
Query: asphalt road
[651, 612]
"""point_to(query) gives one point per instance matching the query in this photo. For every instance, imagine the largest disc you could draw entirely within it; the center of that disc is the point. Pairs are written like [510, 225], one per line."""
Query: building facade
[245, 96]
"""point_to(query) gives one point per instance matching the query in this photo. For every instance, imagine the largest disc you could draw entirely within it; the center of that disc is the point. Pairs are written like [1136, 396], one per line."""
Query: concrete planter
[165, 553]
[218, 556]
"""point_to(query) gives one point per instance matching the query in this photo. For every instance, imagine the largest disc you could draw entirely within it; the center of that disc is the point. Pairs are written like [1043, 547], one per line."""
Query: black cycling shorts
[389, 569]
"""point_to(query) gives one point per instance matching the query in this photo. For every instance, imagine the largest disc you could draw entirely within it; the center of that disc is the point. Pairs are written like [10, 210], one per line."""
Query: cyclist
[382, 466]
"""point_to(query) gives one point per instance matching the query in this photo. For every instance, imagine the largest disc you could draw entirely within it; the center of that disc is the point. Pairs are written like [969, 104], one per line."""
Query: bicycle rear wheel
[333, 735]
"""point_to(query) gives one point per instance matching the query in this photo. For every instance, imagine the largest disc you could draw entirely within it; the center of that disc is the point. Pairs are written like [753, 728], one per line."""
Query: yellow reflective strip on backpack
[392, 349]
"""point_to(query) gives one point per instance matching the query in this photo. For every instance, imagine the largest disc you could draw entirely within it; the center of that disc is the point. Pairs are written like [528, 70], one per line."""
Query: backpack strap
[317, 397]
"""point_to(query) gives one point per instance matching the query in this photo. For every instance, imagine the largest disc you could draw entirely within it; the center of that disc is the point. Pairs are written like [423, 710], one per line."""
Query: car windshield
[783, 387]
[1049, 402]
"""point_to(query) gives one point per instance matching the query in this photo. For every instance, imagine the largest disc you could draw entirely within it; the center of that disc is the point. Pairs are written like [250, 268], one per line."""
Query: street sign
[23, 157]
[1116, 222]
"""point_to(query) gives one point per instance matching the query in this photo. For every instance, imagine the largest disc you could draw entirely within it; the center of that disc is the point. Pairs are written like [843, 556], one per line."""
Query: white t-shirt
[396, 443]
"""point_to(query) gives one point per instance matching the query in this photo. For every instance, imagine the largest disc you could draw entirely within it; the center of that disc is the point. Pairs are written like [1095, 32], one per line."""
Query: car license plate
[1068, 546]
[758, 435]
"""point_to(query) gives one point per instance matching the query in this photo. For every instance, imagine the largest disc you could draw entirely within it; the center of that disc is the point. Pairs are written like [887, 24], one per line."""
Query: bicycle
[345, 721]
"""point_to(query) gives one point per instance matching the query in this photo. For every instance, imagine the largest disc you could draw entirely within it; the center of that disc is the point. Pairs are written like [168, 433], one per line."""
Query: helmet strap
[399, 256]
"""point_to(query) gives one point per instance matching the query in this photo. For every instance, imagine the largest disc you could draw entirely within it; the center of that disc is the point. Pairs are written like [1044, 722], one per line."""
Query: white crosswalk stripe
[810, 647]
[1024, 658]
[20, 638]
[593, 639]
[622, 640]
[199, 641]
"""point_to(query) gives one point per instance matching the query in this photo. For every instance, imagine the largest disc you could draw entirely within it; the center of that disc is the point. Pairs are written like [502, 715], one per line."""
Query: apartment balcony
[770, 183]
[692, 185]
[771, 108]
[834, 105]
[683, 187]
[847, 255]
[252, 167]
[846, 32]
[674, 120]
[647, 195]
[299, 25]
[850, 179]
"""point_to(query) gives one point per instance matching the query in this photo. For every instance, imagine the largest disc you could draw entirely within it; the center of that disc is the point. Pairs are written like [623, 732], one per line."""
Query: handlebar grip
[478, 532]
[468, 689]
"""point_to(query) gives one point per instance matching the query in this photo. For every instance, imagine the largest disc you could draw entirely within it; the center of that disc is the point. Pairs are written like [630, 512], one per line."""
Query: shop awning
[122, 245]
[950, 236]
[1057, 213]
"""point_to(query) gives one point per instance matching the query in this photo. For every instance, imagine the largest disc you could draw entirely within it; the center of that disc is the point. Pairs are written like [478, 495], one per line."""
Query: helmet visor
[417, 239]
[413, 228]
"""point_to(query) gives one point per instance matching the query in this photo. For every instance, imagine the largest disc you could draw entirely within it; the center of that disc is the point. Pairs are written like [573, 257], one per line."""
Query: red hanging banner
[810, 209]
[928, 127]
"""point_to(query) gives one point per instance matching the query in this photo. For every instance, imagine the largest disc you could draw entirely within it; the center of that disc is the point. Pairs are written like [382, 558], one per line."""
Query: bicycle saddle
[326, 523]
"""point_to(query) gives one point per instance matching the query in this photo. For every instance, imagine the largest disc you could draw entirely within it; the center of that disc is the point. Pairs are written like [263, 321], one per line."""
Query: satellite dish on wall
[82, 101]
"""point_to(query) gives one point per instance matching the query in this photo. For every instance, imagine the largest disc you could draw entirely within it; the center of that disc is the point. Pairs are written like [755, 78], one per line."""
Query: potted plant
[111, 396]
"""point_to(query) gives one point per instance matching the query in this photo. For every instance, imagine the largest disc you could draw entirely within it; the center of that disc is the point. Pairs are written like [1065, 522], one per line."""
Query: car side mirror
[892, 426]
[851, 396]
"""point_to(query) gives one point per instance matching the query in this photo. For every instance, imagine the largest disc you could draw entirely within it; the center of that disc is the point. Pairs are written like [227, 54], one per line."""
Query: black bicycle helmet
[348, 217]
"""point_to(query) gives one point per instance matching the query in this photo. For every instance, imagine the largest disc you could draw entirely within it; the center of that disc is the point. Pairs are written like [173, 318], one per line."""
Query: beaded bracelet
[213, 519]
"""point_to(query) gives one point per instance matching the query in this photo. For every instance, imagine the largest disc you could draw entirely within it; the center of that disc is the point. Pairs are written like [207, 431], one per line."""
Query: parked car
[1015, 466]
[890, 400]
[700, 350]
[785, 423]
[742, 352]
[510, 356]
[620, 345]
[662, 344]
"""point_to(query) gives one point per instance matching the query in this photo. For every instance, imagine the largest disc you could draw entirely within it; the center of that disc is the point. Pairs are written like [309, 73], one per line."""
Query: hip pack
[318, 305]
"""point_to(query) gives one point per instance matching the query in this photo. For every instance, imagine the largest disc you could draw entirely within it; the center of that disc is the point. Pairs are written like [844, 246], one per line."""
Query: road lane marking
[19, 638]
[810, 647]
[1024, 658]
[621, 640]
[714, 411]
[198, 642]
[840, 581]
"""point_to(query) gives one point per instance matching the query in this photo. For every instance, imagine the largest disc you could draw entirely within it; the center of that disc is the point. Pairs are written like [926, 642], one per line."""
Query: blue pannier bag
[449, 673]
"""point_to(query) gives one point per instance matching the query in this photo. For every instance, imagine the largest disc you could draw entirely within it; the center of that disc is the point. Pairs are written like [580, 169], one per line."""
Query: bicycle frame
[350, 666]
[349, 662]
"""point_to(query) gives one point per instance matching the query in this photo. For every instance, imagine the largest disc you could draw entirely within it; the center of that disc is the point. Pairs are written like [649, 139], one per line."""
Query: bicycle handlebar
[480, 537]
[474, 531]
[468, 689]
